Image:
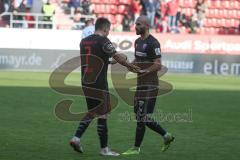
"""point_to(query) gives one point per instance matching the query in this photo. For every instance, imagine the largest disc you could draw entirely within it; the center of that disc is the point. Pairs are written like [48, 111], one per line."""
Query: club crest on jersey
[144, 46]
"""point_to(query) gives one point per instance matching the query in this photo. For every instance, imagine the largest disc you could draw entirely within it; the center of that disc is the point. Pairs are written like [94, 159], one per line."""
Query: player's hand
[133, 68]
[113, 61]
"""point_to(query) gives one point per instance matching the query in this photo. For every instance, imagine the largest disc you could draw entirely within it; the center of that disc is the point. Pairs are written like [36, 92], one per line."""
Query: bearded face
[140, 29]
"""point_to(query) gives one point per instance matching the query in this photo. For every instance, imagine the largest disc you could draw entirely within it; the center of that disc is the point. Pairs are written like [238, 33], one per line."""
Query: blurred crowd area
[166, 16]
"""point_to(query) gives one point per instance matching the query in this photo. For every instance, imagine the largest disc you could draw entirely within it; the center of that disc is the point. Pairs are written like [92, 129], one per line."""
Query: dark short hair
[102, 23]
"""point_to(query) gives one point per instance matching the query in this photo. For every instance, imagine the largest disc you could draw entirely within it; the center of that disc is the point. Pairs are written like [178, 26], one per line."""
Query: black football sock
[102, 132]
[140, 131]
[83, 126]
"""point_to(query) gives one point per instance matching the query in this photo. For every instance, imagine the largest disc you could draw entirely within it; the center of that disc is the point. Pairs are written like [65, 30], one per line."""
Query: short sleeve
[156, 50]
[108, 47]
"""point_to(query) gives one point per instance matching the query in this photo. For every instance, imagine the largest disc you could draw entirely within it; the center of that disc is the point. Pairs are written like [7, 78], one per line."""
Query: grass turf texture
[29, 129]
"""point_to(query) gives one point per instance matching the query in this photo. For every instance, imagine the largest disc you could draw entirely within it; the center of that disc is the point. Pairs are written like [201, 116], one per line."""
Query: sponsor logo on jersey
[108, 47]
[157, 51]
[144, 46]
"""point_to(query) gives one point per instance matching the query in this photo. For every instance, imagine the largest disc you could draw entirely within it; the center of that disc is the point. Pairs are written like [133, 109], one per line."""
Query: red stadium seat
[212, 30]
[228, 23]
[233, 23]
[96, 1]
[214, 22]
[210, 4]
[238, 14]
[220, 22]
[188, 4]
[225, 13]
[207, 13]
[237, 23]
[111, 17]
[211, 22]
[216, 13]
[116, 2]
[234, 14]
[231, 31]
[192, 3]
[206, 30]
[218, 4]
[216, 30]
[100, 15]
[211, 13]
[107, 9]
[105, 1]
[125, 2]
[181, 3]
[202, 30]
[207, 22]
[102, 8]
[96, 8]
[99, 8]
[220, 13]
[188, 11]
[226, 4]
[192, 10]
[113, 9]
[237, 5]
[234, 4]
[122, 9]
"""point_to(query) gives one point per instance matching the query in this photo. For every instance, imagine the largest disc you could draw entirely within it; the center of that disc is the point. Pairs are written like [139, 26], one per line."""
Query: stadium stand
[221, 16]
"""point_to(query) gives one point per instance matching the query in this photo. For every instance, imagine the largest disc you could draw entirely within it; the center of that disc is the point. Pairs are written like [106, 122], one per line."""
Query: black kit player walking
[148, 58]
[95, 51]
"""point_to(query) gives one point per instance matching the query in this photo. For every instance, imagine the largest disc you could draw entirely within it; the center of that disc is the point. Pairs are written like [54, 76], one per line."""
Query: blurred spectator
[48, 10]
[29, 3]
[2, 8]
[127, 22]
[239, 27]
[136, 8]
[162, 25]
[143, 7]
[189, 23]
[78, 24]
[89, 28]
[15, 9]
[151, 7]
[30, 18]
[164, 7]
[201, 7]
[172, 13]
[85, 4]
[37, 6]
[118, 27]
[73, 5]
[7, 4]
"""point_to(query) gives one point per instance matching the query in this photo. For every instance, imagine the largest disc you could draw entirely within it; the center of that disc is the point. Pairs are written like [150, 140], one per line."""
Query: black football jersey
[95, 51]
[145, 52]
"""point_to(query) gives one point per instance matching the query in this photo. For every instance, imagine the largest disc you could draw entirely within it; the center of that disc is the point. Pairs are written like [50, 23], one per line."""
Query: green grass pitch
[29, 130]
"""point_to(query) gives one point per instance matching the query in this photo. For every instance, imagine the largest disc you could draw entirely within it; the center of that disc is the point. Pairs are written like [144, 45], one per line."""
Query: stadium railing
[37, 22]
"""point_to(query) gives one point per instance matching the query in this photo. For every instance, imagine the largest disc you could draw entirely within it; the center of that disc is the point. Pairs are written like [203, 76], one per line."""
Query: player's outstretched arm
[157, 65]
[123, 61]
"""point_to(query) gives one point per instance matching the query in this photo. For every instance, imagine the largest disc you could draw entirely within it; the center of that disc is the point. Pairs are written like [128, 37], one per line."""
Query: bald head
[142, 25]
[144, 21]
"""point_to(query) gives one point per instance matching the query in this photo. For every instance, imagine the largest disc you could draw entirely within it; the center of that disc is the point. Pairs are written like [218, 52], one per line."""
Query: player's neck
[98, 33]
[145, 35]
